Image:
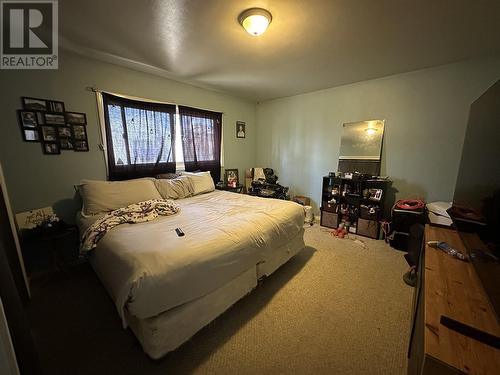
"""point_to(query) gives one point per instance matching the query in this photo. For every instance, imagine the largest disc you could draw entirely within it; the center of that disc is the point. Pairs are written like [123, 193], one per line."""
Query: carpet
[338, 307]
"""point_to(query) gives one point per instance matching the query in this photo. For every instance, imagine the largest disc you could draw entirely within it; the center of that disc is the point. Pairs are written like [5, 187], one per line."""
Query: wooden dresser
[450, 287]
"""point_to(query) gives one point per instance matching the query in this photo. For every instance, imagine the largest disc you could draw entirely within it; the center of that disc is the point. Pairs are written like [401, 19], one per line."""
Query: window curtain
[140, 137]
[201, 140]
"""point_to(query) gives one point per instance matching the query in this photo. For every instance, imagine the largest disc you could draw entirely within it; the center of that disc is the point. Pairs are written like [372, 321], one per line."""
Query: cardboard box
[304, 201]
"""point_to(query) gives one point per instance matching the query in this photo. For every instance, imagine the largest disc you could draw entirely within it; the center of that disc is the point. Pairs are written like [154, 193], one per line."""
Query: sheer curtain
[140, 137]
[201, 140]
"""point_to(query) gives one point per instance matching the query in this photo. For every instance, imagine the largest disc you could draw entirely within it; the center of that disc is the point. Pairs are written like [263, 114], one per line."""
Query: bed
[166, 287]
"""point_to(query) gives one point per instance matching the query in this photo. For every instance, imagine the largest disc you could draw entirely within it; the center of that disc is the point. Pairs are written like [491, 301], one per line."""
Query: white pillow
[202, 182]
[175, 188]
[105, 196]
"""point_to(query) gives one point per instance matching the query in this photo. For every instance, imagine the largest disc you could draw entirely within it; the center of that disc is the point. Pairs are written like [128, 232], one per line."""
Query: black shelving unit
[358, 203]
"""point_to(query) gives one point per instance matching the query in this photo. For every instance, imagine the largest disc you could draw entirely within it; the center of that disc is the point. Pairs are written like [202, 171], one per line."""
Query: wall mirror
[362, 140]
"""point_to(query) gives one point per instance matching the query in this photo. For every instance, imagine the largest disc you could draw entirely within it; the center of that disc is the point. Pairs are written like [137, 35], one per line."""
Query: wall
[8, 364]
[37, 180]
[426, 115]
[425, 111]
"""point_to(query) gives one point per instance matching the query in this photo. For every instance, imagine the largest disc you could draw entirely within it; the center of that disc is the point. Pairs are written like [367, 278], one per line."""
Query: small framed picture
[54, 119]
[55, 106]
[66, 143]
[34, 104]
[31, 135]
[231, 177]
[240, 129]
[49, 133]
[79, 133]
[81, 146]
[28, 119]
[76, 118]
[64, 131]
[51, 148]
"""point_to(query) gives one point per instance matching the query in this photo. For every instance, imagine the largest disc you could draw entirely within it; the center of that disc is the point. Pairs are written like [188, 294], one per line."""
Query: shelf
[370, 227]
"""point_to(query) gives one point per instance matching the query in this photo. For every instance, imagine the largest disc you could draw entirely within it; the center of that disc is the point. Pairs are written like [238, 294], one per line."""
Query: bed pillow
[105, 196]
[202, 182]
[175, 188]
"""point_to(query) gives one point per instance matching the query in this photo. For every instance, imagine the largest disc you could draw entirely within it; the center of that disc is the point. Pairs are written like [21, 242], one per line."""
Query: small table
[237, 189]
[58, 243]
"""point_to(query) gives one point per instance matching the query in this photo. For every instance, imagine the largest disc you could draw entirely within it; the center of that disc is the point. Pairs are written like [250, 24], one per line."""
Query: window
[140, 137]
[145, 139]
[201, 140]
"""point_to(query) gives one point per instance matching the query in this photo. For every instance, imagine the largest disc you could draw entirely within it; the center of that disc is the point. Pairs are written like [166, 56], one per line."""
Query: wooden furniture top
[452, 288]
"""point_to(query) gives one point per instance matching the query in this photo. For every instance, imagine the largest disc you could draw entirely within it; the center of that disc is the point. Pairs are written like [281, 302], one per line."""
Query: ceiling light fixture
[370, 131]
[255, 20]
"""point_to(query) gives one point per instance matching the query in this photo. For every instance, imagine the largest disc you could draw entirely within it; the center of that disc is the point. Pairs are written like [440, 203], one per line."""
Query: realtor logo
[29, 34]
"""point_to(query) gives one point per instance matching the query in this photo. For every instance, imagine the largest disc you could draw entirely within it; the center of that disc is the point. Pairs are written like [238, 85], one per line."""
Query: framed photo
[49, 133]
[40, 118]
[66, 144]
[55, 106]
[64, 131]
[240, 129]
[51, 148]
[54, 119]
[79, 133]
[81, 146]
[31, 135]
[28, 119]
[34, 104]
[231, 177]
[76, 118]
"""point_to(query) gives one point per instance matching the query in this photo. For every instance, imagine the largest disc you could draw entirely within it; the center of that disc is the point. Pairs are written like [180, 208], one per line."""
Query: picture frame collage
[48, 122]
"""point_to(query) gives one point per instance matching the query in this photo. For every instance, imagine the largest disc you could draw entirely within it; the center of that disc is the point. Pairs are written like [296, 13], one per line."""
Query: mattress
[148, 269]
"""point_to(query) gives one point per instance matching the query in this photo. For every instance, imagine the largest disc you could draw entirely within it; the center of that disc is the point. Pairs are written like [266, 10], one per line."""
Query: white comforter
[148, 269]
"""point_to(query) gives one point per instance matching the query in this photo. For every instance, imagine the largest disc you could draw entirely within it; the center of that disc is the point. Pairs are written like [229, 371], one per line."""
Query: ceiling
[310, 44]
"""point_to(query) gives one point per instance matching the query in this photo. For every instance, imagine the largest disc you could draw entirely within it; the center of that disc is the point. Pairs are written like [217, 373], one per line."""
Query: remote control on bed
[179, 232]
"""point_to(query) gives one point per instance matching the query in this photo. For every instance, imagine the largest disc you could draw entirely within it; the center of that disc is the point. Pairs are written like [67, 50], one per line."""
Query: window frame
[119, 172]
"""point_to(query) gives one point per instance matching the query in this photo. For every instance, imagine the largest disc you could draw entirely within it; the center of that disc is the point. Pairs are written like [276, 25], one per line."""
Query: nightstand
[54, 248]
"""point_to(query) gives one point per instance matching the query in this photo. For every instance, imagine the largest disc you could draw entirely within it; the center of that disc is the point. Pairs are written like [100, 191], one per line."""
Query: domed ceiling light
[255, 20]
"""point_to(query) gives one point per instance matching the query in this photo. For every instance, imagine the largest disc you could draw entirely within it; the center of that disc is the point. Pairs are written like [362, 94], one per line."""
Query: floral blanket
[134, 213]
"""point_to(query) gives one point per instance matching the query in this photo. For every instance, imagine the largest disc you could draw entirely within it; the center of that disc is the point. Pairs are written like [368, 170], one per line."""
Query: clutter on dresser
[48, 122]
[265, 184]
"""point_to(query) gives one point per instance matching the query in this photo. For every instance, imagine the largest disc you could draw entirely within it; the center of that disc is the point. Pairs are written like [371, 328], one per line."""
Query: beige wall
[36, 180]
[426, 115]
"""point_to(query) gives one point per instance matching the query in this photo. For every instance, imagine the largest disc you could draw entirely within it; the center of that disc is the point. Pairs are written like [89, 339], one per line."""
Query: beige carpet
[338, 307]
[345, 311]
